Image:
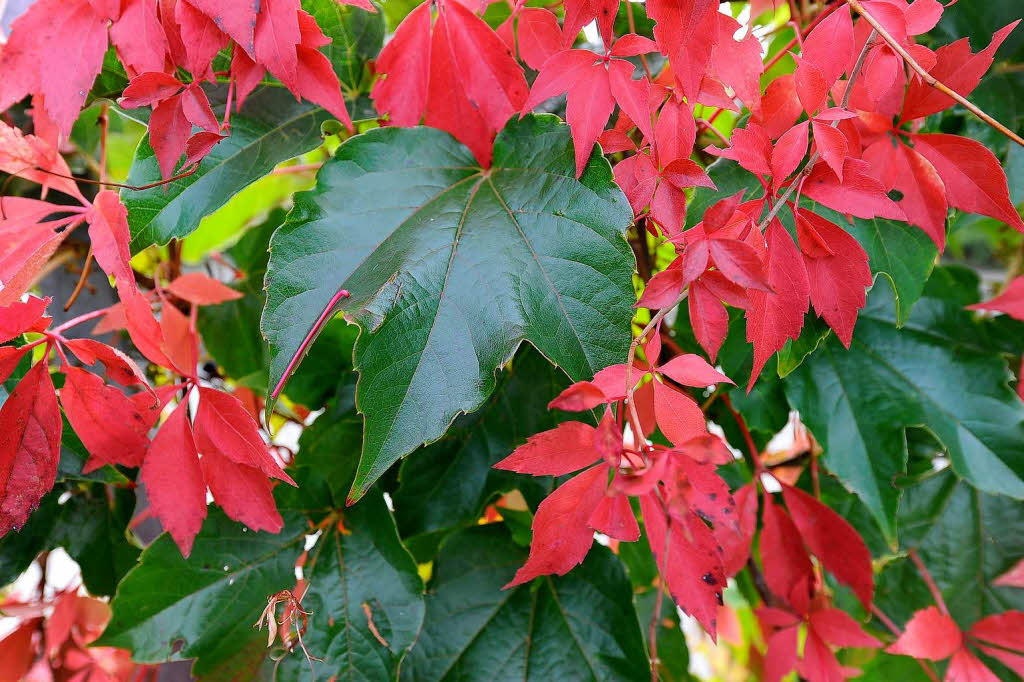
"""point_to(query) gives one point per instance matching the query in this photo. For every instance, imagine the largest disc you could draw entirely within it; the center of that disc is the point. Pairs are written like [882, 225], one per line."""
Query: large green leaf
[938, 372]
[270, 128]
[448, 269]
[172, 608]
[578, 627]
[966, 539]
[363, 585]
[447, 483]
[356, 37]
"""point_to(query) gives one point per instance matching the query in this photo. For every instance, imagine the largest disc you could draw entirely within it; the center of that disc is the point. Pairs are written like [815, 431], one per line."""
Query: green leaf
[357, 37]
[448, 269]
[578, 627]
[360, 579]
[172, 608]
[271, 128]
[936, 372]
[449, 482]
[966, 539]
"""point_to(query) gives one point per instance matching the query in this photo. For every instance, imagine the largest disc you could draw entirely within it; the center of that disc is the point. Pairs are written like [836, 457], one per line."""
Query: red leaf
[780, 107]
[1012, 578]
[1003, 630]
[23, 316]
[110, 236]
[924, 194]
[559, 451]
[837, 282]
[699, 489]
[974, 180]
[179, 342]
[688, 559]
[819, 663]
[274, 39]
[675, 131]
[200, 37]
[685, 32]
[149, 88]
[562, 535]
[139, 37]
[169, 129]
[17, 651]
[55, 50]
[737, 63]
[930, 634]
[787, 568]
[583, 395]
[108, 423]
[19, 155]
[956, 68]
[858, 193]
[789, 151]
[740, 263]
[539, 36]
[222, 426]
[750, 147]
[830, 45]
[736, 542]
[200, 289]
[196, 107]
[402, 94]
[781, 655]
[469, 85]
[678, 416]
[692, 370]
[319, 83]
[237, 18]
[199, 145]
[966, 667]
[243, 492]
[247, 74]
[614, 517]
[839, 629]
[119, 367]
[832, 146]
[10, 356]
[579, 13]
[778, 315]
[811, 86]
[174, 481]
[706, 449]
[30, 430]
[708, 317]
[833, 541]
[632, 96]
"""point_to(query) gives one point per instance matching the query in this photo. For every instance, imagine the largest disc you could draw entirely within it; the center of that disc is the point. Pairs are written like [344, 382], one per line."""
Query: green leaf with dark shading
[937, 372]
[449, 269]
[578, 627]
[271, 127]
[966, 539]
[448, 483]
[356, 37]
[172, 608]
[363, 585]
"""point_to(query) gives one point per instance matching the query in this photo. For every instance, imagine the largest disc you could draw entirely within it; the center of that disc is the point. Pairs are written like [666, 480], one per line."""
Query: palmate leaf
[938, 371]
[448, 269]
[270, 128]
[578, 627]
[967, 539]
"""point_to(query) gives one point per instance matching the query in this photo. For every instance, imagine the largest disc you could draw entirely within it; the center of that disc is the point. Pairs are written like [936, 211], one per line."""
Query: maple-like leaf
[456, 75]
[30, 430]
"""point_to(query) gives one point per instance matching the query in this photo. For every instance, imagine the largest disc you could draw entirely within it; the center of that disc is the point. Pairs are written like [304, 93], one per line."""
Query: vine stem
[634, 417]
[928, 580]
[806, 170]
[928, 78]
[747, 437]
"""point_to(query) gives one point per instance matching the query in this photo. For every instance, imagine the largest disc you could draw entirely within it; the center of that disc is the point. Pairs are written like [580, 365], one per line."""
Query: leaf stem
[928, 580]
[930, 79]
[755, 455]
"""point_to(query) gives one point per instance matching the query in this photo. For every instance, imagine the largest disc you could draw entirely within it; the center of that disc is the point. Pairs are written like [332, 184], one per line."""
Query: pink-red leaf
[614, 517]
[174, 481]
[109, 425]
[243, 492]
[930, 634]
[787, 567]
[562, 450]
[692, 370]
[222, 425]
[200, 289]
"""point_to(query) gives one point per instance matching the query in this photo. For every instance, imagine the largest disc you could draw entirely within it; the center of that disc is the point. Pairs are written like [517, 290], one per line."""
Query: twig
[632, 29]
[928, 580]
[930, 79]
[806, 170]
[136, 188]
[86, 268]
[742, 424]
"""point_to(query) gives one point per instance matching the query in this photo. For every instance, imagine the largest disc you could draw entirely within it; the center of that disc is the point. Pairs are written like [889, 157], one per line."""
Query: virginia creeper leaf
[451, 245]
[357, 36]
[542, 633]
